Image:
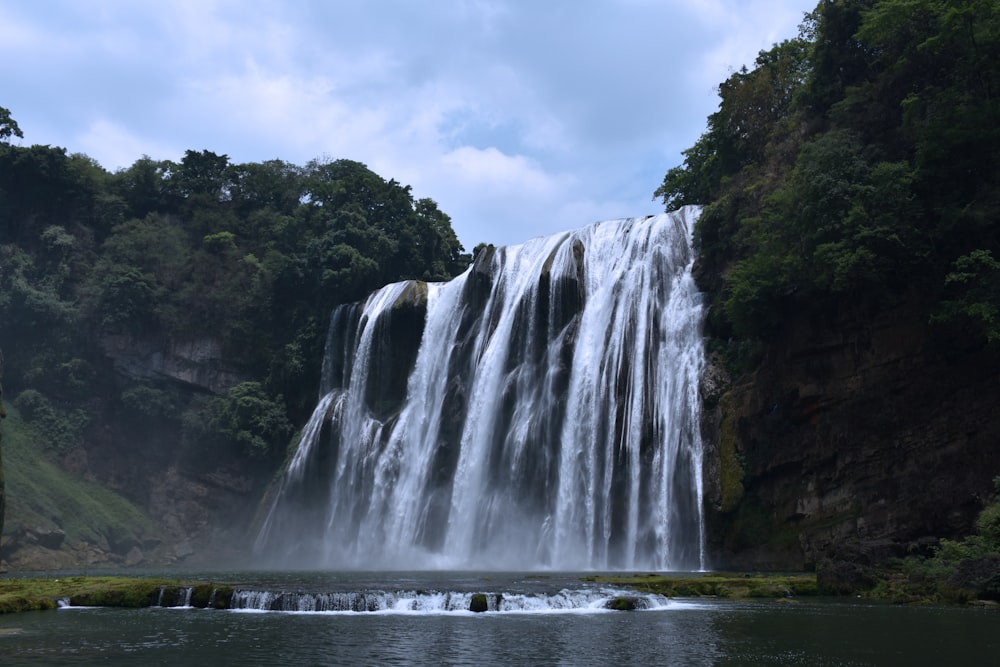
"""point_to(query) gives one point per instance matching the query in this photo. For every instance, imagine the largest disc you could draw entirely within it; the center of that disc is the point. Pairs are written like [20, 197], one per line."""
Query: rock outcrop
[197, 363]
[858, 438]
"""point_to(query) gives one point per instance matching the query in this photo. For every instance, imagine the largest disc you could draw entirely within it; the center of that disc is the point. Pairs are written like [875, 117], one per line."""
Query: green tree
[8, 126]
[246, 418]
[135, 285]
[974, 286]
[860, 159]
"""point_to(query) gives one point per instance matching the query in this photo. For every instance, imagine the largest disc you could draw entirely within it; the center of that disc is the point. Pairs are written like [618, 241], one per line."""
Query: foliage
[8, 126]
[61, 428]
[246, 418]
[251, 256]
[956, 570]
[857, 161]
[977, 275]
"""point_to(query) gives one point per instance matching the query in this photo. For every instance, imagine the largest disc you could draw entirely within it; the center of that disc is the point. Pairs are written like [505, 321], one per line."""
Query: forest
[857, 161]
[849, 247]
[251, 257]
[254, 254]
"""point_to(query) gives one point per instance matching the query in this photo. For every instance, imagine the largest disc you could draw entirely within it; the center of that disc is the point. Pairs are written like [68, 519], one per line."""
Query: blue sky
[519, 117]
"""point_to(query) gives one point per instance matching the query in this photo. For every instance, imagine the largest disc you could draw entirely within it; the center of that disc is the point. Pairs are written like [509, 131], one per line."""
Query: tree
[246, 418]
[8, 126]
[861, 158]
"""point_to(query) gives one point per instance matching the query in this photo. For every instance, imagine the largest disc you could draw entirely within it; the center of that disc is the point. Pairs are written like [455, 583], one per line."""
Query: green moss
[730, 467]
[35, 594]
[478, 603]
[717, 585]
[128, 593]
[201, 595]
[222, 597]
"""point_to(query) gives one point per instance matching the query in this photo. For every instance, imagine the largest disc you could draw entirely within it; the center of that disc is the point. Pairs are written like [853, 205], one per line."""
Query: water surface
[549, 631]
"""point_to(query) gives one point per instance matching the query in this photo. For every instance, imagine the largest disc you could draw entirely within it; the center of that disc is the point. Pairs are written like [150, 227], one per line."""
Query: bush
[246, 418]
[62, 429]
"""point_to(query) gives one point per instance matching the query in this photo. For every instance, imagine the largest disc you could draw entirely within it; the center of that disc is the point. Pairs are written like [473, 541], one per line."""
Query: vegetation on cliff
[849, 246]
[233, 269]
[953, 571]
[856, 161]
[252, 255]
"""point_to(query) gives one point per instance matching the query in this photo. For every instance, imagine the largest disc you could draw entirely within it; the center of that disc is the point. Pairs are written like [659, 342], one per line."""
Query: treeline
[857, 162]
[252, 255]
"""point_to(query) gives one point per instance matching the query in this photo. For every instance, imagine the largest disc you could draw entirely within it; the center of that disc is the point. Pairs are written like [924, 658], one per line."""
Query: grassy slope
[42, 495]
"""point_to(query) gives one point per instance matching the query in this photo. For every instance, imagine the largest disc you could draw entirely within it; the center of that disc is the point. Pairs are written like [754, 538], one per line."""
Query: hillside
[850, 251]
[163, 327]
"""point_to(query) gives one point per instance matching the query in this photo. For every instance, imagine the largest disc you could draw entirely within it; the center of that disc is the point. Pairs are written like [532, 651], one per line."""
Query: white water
[566, 601]
[549, 420]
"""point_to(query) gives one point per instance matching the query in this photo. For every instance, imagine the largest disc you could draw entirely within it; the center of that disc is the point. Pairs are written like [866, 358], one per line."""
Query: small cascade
[175, 596]
[431, 602]
[541, 411]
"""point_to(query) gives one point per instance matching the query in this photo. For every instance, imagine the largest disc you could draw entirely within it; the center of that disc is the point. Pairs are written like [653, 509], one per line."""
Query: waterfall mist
[539, 411]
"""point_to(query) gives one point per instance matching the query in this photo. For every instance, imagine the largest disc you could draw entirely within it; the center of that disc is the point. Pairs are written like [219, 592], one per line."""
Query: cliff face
[198, 363]
[859, 437]
[3, 414]
[198, 503]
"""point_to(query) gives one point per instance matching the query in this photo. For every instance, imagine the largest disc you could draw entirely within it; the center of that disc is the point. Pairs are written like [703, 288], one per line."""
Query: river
[550, 619]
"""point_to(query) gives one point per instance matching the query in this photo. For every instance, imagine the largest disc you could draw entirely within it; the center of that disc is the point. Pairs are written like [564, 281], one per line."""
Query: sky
[520, 118]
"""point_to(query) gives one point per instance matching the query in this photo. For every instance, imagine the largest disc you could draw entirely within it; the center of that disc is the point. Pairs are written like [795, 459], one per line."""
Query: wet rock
[49, 538]
[625, 603]
[841, 577]
[478, 603]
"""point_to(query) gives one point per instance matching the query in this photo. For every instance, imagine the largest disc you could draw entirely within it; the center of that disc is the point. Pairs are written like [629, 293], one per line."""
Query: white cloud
[492, 170]
[115, 147]
[518, 118]
[746, 33]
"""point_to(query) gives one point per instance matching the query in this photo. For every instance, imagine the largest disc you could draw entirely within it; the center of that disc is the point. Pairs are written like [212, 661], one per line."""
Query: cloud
[117, 147]
[517, 118]
[491, 170]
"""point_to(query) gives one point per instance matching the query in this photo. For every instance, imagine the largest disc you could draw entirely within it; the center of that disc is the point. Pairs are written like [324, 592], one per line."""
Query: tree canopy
[857, 161]
[253, 255]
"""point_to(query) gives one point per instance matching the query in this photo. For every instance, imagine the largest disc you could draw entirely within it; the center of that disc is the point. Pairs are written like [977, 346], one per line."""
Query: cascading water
[539, 411]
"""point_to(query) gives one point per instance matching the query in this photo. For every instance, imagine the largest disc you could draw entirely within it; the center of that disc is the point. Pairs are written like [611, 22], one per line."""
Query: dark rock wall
[859, 436]
[3, 497]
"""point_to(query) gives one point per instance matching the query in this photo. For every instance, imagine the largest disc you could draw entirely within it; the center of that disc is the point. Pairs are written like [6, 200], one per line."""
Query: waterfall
[539, 411]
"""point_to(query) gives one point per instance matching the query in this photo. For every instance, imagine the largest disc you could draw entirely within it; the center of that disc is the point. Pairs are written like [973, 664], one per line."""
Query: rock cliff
[198, 363]
[196, 503]
[3, 414]
[860, 436]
